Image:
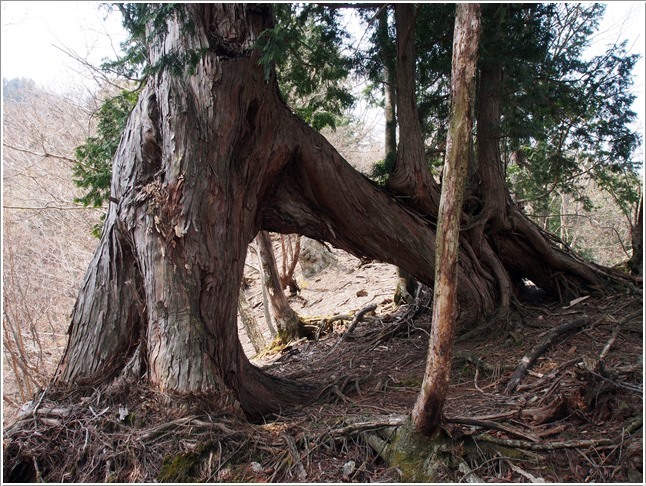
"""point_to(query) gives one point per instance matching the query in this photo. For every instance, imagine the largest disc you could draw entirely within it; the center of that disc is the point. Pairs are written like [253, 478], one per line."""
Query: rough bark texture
[210, 157]
[411, 177]
[427, 411]
[192, 168]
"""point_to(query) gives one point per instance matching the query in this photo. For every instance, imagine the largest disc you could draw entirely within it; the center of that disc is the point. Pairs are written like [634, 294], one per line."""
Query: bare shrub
[47, 242]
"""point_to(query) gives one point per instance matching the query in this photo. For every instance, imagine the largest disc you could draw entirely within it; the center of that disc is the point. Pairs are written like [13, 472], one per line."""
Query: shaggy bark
[208, 159]
[428, 408]
[411, 177]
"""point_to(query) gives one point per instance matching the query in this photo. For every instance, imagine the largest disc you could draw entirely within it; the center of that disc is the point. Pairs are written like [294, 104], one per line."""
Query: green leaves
[93, 167]
[305, 49]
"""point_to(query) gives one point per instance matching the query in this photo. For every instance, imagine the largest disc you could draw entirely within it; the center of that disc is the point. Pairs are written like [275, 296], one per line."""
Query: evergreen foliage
[93, 167]
[564, 117]
[305, 48]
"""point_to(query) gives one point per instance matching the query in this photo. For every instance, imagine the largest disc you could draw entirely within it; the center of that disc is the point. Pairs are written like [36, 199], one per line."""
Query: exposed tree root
[584, 425]
[529, 359]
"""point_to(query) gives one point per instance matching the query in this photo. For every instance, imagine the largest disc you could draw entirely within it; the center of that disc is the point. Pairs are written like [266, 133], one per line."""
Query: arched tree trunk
[209, 157]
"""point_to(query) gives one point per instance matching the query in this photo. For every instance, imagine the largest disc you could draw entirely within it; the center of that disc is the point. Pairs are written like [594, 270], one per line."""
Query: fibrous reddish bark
[411, 177]
[208, 159]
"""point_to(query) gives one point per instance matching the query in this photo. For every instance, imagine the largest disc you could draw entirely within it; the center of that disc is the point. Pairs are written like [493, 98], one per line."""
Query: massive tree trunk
[428, 408]
[209, 157]
[194, 164]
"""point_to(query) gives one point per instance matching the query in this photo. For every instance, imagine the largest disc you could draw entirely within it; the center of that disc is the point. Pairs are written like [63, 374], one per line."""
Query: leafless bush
[47, 242]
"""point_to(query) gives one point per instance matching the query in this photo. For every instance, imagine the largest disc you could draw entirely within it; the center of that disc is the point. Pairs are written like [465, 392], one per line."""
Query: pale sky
[33, 34]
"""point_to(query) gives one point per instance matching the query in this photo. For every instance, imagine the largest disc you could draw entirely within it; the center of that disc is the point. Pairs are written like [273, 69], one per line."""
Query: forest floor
[575, 416]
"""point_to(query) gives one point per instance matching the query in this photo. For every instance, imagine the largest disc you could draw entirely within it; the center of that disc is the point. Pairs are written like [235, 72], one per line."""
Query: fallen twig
[549, 378]
[626, 386]
[529, 359]
[541, 446]
[492, 425]
[357, 318]
[363, 426]
[296, 458]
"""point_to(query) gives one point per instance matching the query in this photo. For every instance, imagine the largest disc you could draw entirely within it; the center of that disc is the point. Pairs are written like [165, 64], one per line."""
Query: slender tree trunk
[291, 248]
[390, 90]
[287, 321]
[428, 408]
[266, 306]
[250, 323]
[636, 262]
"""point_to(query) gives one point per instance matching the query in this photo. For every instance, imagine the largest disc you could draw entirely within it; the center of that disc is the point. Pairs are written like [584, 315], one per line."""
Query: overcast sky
[33, 34]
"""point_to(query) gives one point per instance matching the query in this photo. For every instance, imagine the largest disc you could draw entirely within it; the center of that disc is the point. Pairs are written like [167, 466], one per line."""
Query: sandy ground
[343, 288]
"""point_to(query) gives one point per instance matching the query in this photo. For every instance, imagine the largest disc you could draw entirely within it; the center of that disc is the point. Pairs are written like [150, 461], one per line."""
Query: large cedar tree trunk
[210, 157]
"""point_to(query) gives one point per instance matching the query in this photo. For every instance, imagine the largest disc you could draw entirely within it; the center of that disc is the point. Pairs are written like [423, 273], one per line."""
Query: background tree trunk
[428, 408]
[411, 177]
[291, 248]
[636, 263]
[287, 321]
[250, 323]
[406, 284]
